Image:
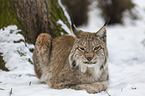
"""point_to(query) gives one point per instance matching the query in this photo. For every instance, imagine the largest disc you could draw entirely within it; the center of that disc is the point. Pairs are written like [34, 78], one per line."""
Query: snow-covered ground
[126, 60]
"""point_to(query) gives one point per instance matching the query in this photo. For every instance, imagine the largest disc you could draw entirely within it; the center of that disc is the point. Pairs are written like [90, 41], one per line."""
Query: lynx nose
[89, 58]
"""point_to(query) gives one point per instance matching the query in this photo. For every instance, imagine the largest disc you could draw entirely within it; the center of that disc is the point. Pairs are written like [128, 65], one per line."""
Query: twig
[11, 92]
[30, 83]
[121, 89]
[133, 88]
[2, 89]
[108, 93]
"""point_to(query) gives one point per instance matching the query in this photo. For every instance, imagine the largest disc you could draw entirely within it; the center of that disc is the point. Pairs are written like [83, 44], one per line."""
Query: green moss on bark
[56, 14]
[2, 64]
[7, 14]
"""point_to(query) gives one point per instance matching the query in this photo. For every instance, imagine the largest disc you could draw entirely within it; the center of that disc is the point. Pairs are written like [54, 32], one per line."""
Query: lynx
[77, 62]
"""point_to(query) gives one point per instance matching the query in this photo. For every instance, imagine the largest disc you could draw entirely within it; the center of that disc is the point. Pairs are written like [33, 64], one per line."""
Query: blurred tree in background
[114, 9]
[78, 10]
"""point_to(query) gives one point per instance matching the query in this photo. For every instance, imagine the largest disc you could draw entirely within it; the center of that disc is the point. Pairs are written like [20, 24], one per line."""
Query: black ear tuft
[102, 33]
[106, 23]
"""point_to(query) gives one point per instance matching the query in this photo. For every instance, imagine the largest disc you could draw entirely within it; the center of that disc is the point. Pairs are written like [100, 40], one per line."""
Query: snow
[126, 60]
[65, 12]
[64, 26]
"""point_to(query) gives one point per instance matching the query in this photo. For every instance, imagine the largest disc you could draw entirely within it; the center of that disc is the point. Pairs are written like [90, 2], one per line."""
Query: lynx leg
[93, 87]
[41, 54]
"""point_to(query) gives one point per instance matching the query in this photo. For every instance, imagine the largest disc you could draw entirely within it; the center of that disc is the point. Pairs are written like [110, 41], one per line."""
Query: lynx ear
[102, 33]
[75, 31]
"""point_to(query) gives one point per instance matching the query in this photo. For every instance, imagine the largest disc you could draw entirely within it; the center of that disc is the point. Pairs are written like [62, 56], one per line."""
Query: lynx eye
[81, 49]
[97, 48]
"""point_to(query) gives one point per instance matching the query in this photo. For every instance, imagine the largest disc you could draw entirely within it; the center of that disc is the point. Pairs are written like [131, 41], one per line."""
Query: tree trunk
[33, 17]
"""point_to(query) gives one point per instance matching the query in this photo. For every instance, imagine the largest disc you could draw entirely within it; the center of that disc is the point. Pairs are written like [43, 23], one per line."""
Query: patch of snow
[13, 48]
[65, 12]
[140, 3]
[64, 26]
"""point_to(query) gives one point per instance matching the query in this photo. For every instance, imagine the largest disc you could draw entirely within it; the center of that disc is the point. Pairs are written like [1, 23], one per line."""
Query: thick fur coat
[78, 62]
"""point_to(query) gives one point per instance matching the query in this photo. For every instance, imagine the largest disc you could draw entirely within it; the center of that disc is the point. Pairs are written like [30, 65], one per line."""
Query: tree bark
[33, 17]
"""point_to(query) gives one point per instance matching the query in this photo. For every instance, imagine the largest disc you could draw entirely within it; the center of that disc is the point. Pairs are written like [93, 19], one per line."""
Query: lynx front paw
[92, 88]
[89, 89]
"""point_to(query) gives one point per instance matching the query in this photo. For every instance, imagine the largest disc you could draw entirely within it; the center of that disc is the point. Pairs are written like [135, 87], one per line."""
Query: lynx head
[89, 49]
